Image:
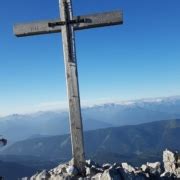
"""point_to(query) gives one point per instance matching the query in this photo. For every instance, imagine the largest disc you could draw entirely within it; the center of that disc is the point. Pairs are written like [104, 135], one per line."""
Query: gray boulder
[171, 162]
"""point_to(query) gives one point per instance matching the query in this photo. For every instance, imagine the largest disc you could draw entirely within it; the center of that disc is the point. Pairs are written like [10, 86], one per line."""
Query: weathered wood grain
[100, 20]
[35, 28]
[70, 61]
[91, 21]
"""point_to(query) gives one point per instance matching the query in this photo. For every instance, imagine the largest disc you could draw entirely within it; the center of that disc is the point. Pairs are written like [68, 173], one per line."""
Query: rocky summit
[170, 169]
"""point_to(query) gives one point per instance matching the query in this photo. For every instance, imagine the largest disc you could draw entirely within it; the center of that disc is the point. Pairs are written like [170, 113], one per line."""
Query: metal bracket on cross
[62, 23]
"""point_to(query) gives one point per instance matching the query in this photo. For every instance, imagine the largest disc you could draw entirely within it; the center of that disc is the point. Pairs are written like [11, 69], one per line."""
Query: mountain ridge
[131, 140]
[18, 127]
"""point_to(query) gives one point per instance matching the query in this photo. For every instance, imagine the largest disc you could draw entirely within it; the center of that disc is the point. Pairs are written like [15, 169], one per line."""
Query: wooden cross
[67, 24]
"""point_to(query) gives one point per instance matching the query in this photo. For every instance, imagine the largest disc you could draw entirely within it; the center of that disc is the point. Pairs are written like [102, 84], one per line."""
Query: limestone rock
[171, 164]
[128, 168]
[72, 171]
[106, 166]
[45, 175]
[132, 176]
[91, 171]
[169, 161]
[92, 164]
[124, 171]
[97, 176]
[60, 169]
[152, 168]
[111, 174]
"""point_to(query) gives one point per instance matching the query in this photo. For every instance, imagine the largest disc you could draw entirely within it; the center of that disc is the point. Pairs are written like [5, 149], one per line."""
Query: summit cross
[67, 25]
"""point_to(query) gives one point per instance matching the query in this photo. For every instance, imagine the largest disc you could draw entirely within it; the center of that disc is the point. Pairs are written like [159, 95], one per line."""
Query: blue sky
[138, 59]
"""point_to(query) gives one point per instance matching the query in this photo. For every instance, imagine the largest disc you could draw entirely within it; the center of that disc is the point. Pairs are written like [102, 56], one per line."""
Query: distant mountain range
[135, 144]
[132, 140]
[18, 127]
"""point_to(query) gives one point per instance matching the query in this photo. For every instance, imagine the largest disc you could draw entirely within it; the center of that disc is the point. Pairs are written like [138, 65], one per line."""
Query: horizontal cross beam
[78, 22]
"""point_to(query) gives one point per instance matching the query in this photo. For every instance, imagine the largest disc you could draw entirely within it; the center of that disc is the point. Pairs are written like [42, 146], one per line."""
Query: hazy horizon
[63, 106]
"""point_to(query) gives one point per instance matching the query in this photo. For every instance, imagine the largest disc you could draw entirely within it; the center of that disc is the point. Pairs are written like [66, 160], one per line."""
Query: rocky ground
[170, 169]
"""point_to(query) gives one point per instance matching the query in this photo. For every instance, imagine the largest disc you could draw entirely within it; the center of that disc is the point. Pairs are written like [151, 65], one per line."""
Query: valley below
[135, 144]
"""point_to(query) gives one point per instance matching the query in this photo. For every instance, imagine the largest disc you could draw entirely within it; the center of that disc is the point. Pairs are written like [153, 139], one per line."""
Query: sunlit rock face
[171, 164]
[121, 171]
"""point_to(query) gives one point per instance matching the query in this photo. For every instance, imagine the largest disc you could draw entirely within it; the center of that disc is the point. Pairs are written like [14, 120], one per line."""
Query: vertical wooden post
[76, 127]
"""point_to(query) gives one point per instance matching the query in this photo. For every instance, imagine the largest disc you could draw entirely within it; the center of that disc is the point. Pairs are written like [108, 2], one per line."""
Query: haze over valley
[18, 127]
